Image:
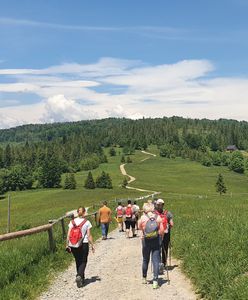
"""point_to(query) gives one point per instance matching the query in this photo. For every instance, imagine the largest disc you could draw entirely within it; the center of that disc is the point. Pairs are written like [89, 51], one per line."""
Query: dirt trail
[114, 272]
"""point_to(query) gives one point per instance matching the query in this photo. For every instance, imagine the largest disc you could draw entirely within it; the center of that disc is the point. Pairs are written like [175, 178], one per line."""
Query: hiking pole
[166, 265]
[170, 246]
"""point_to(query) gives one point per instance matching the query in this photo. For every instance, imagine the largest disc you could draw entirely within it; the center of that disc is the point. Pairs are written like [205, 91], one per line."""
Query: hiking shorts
[130, 223]
[119, 219]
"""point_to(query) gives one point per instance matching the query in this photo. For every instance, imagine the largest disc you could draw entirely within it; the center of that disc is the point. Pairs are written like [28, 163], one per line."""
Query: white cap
[160, 201]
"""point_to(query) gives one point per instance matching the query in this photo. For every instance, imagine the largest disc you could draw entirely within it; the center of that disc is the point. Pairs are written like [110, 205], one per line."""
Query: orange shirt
[105, 214]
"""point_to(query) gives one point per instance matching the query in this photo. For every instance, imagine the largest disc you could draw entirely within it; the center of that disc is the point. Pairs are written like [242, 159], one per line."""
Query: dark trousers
[165, 247]
[81, 257]
[151, 247]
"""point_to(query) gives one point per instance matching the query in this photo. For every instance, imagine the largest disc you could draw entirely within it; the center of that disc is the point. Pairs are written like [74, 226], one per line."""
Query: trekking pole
[170, 246]
[166, 265]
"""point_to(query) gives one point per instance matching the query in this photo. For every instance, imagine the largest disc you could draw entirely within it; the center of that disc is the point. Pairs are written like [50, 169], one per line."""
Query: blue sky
[71, 60]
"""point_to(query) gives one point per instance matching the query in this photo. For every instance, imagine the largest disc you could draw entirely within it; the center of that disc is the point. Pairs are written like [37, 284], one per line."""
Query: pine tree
[220, 185]
[123, 159]
[104, 181]
[67, 182]
[89, 182]
[50, 173]
[129, 160]
[7, 156]
[112, 151]
[73, 183]
[125, 182]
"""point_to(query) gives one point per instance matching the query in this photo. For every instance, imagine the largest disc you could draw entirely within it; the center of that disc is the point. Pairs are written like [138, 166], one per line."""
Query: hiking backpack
[76, 234]
[129, 212]
[119, 212]
[151, 229]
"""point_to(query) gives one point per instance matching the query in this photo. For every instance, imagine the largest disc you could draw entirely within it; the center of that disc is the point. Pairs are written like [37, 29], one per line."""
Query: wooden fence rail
[49, 227]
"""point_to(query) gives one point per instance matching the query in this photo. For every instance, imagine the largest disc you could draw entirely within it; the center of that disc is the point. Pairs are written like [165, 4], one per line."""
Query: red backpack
[119, 212]
[76, 233]
[129, 212]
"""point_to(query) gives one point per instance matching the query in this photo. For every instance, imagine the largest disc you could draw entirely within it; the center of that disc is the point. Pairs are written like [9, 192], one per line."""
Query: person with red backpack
[78, 239]
[167, 218]
[129, 219]
[119, 216]
[152, 229]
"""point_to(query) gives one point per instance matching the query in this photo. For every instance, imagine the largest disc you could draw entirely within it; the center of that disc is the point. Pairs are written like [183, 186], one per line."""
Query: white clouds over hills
[122, 88]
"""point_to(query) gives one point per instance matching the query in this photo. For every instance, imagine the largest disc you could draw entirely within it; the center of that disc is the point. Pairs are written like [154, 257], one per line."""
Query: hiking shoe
[79, 281]
[155, 284]
[144, 280]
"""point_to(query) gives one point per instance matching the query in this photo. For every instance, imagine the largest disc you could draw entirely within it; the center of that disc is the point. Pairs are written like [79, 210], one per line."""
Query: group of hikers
[153, 224]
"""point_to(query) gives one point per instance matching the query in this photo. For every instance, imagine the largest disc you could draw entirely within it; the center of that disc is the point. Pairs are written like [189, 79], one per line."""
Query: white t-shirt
[84, 229]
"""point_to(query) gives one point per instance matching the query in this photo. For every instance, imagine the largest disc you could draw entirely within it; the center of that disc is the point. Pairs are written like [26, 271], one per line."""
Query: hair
[129, 202]
[135, 202]
[83, 209]
[148, 207]
[119, 203]
[105, 202]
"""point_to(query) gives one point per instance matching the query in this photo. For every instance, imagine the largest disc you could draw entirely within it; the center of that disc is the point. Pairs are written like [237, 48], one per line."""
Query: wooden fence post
[63, 228]
[51, 239]
[8, 224]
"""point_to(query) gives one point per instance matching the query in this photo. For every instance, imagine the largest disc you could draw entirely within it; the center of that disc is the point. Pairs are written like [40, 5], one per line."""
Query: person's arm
[90, 239]
[110, 215]
[67, 239]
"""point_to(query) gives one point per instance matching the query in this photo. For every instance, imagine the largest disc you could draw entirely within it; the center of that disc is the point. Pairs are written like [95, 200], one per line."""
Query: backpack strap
[74, 223]
[82, 224]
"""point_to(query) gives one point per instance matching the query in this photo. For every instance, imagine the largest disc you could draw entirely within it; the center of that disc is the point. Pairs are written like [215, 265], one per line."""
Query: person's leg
[106, 228]
[155, 258]
[76, 255]
[84, 259]
[133, 228]
[127, 228]
[103, 230]
[166, 242]
[146, 250]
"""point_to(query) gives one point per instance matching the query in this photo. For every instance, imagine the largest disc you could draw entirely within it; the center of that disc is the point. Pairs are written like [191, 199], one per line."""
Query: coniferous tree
[125, 182]
[89, 182]
[50, 172]
[123, 159]
[112, 151]
[129, 160]
[67, 182]
[7, 156]
[220, 185]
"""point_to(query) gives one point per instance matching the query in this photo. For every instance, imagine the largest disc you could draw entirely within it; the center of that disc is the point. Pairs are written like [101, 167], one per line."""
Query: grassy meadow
[210, 233]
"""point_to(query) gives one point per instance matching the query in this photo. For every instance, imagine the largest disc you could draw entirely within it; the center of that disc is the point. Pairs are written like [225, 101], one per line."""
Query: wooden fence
[51, 223]
[47, 227]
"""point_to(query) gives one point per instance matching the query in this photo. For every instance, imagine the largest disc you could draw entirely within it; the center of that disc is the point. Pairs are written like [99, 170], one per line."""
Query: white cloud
[123, 88]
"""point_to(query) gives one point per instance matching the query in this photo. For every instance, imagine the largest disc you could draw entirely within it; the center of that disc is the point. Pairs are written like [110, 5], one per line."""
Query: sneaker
[155, 284]
[79, 281]
[144, 280]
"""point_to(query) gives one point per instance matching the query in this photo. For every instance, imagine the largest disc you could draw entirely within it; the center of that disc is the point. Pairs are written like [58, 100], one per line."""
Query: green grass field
[210, 233]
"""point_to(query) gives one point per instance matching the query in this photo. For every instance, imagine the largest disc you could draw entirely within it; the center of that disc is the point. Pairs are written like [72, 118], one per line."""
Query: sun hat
[160, 201]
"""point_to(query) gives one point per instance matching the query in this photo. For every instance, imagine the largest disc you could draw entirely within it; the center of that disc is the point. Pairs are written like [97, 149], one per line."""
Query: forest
[37, 155]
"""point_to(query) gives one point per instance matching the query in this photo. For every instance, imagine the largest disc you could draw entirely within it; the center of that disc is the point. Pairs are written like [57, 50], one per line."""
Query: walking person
[168, 223]
[129, 219]
[104, 215]
[119, 216]
[78, 239]
[136, 209]
[152, 229]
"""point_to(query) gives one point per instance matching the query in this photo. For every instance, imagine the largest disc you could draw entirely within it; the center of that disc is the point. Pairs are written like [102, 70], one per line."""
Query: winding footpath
[114, 272]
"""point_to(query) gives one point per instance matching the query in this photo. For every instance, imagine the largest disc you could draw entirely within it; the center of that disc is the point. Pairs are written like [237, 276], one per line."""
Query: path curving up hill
[114, 272]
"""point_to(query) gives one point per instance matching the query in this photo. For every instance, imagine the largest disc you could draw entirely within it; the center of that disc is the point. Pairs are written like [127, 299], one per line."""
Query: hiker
[152, 229]
[119, 216]
[77, 242]
[136, 210]
[104, 215]
[167, 218]
[129, 219]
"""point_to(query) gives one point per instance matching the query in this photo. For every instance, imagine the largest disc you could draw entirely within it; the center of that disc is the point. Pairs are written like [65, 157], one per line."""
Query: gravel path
[114, 272]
